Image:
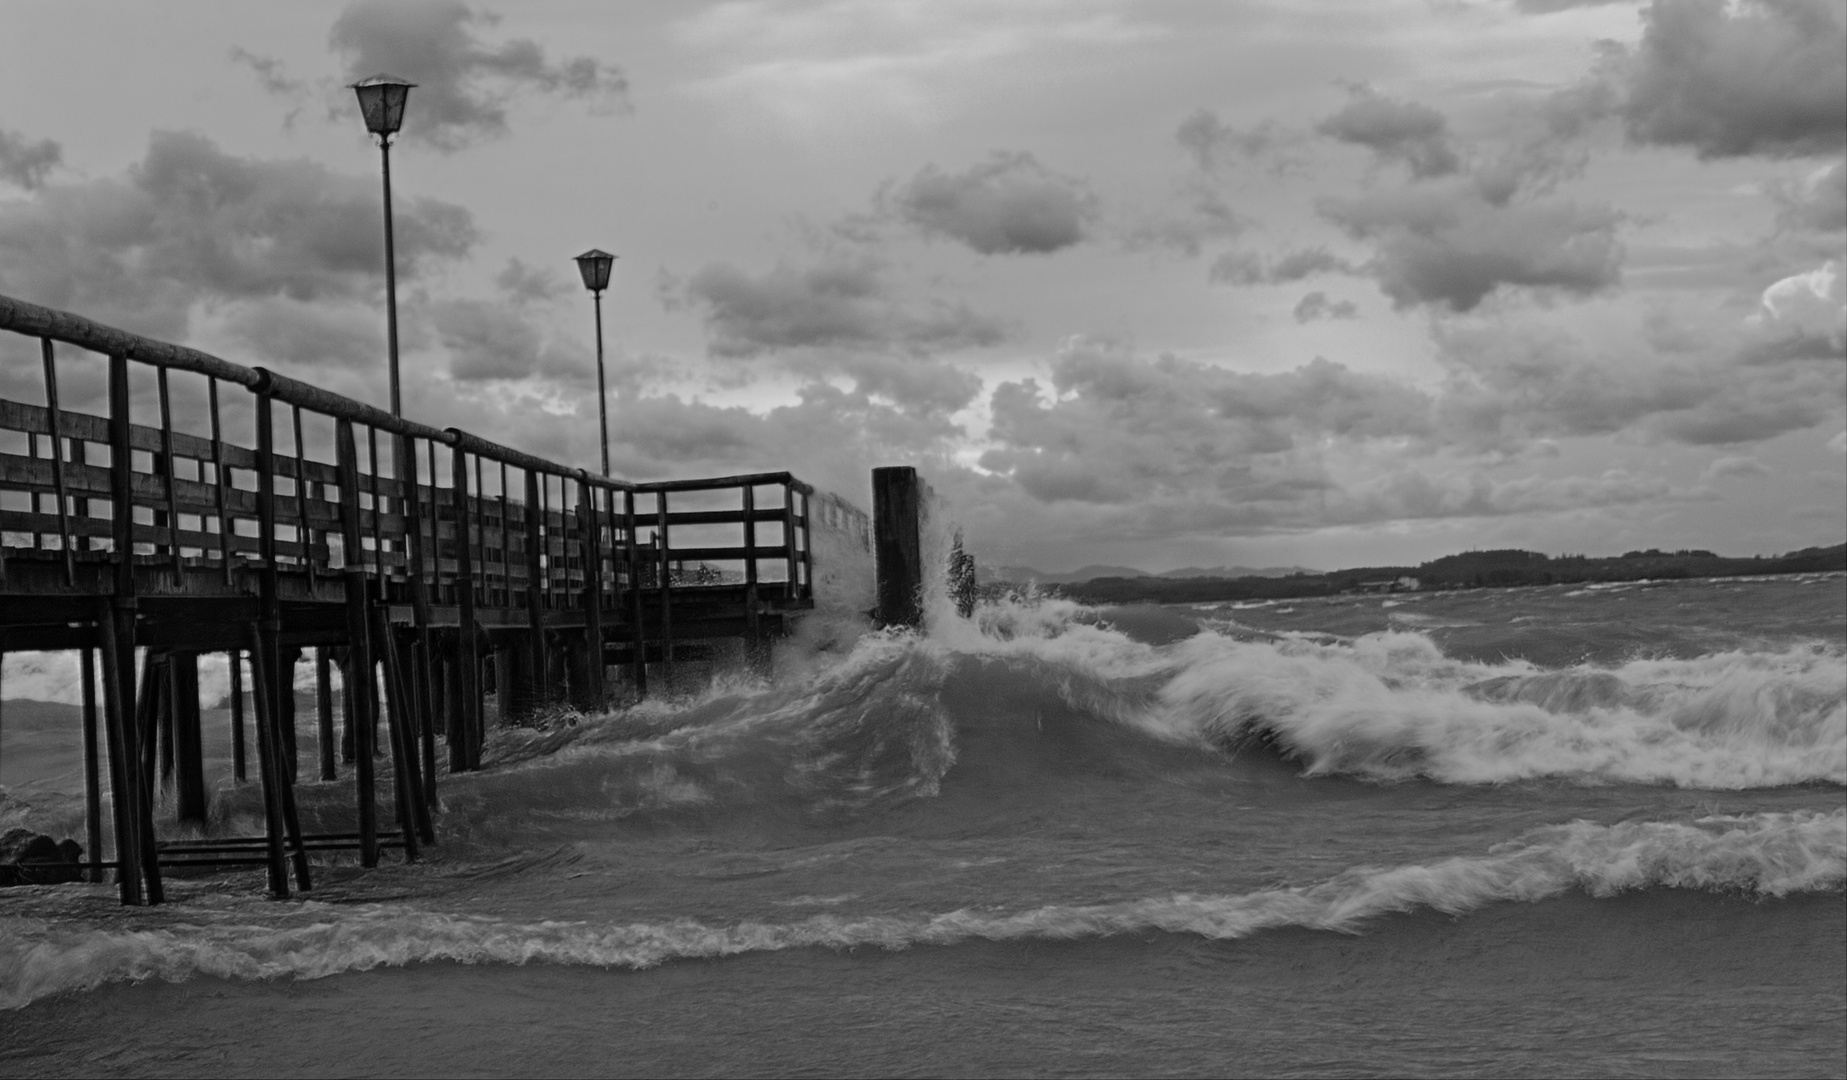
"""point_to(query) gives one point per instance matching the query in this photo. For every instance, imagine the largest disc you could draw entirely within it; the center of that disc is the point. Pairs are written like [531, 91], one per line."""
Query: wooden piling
[323, 710]
[535, 588]
[55, 416]
[465, 718]
[119, 657]
[187, 737]
[589, 525]
[360, 680]
[239, 765]
[413, 815]
[92, 773]
[638, 633]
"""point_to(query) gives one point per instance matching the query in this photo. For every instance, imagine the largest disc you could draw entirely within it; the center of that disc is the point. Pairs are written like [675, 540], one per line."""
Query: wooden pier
[421, 562]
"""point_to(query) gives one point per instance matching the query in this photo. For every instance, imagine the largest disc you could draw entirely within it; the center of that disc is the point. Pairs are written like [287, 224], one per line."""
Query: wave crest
[1764, 855]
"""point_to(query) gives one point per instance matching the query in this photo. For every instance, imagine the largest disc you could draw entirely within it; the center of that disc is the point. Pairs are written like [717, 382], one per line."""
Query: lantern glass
[381, 102]
[595, 265]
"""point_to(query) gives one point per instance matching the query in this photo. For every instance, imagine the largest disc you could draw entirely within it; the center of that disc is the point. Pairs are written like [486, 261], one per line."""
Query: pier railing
[526, 532]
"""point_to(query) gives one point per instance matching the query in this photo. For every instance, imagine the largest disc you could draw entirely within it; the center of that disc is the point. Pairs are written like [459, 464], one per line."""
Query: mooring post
[897, 544]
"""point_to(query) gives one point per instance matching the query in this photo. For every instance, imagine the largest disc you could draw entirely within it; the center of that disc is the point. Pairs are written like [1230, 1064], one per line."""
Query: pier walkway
[422, 562]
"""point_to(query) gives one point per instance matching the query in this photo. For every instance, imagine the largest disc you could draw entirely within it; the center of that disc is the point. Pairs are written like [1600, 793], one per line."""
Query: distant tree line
[1502, 568]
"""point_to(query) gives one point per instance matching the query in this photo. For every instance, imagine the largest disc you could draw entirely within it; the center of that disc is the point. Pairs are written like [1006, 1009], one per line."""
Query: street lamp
[381, 102]
[595, 265]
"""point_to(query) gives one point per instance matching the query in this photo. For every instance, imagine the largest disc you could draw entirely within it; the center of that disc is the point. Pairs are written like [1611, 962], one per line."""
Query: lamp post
[381, 102]
[595, 265]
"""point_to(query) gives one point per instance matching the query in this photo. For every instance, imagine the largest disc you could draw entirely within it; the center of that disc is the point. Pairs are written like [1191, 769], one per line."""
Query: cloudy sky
[1321, 282]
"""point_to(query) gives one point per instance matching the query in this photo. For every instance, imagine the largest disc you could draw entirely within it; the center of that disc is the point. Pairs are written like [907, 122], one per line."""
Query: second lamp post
[595, 265]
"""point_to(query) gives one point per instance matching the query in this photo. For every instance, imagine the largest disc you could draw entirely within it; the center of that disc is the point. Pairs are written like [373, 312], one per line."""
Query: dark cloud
[1414, 135]
[311, 334]
[1121, 429]
[1007, 205]
[26, 162]
[1316, 305]
[1761, 77]
[1817, 205]
[1733, 467]
[1201, 217]
[464, 83]
[269, 72]
[1246, 268]
[829, 437]
[839, 303]
[524, 283]
[1447, 244]
[1695, 378]
[190, 224]
[1214, 144]
[1547, 7]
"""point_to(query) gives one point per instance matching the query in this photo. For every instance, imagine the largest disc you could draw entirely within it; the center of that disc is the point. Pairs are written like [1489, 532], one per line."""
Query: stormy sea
[1568, 830]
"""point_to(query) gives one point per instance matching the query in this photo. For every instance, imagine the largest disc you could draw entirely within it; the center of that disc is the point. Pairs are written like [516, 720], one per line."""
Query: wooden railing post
[167, 460]
[220, 484]
[56, 416]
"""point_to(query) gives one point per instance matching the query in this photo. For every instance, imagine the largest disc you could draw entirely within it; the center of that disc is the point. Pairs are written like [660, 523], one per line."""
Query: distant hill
[1189, 572]
[1474, 569]
[1020, 575]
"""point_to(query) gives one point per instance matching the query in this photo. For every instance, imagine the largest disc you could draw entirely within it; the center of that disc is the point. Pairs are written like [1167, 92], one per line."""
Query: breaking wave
[1764, 855]
[1392, 706]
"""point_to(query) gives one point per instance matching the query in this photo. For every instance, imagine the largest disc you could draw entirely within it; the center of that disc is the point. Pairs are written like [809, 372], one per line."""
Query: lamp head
[595, 265]
[381, 102]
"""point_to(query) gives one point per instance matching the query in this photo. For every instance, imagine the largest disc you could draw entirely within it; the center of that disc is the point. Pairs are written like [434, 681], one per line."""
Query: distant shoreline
[1505, 568]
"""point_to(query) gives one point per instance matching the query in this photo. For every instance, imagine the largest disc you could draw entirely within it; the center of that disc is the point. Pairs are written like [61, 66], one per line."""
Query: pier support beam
[188, 749]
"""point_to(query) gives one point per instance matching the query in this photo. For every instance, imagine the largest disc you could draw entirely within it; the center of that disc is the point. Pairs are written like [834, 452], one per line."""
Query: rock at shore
[30, 858]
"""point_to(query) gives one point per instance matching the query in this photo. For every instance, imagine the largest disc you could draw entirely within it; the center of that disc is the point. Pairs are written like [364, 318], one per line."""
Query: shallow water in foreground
[1544, 831]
